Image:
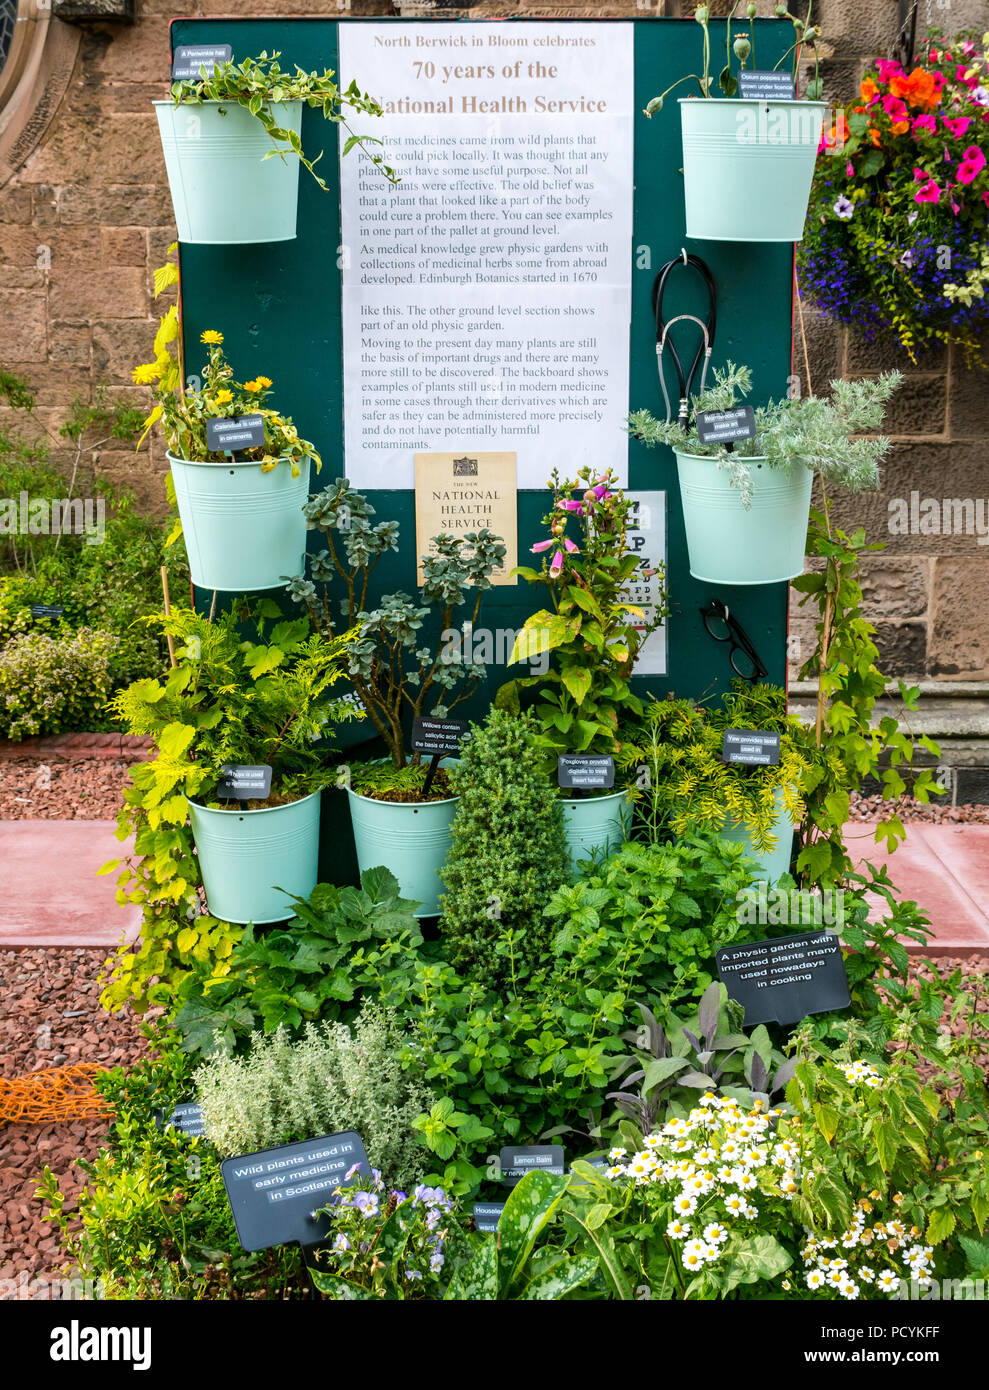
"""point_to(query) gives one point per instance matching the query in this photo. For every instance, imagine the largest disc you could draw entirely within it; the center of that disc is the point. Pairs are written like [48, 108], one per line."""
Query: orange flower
[900, 127]
[876, 137]
[918, 90]
[868, 90]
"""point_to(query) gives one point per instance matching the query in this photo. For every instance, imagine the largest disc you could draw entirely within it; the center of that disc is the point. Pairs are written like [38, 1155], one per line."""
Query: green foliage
[228, 700]
[393, 670]
[342, 941]
[152, 1221]
[835, 437]
[332, 1077]
[884, 1126]
[672, 764]
[103, 580]
[592, 631]
[508, 850]
[852, 745]
[50, 684]
[258, 84]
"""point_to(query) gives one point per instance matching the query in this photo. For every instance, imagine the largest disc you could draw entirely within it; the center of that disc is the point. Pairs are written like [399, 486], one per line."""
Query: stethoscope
[703, 355]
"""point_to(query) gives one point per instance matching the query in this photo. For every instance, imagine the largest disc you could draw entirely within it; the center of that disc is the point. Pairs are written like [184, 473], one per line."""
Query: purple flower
[844, 208]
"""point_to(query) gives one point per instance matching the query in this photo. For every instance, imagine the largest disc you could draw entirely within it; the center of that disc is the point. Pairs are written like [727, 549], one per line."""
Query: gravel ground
[934, 811]
[86, 790]
[49, 1017]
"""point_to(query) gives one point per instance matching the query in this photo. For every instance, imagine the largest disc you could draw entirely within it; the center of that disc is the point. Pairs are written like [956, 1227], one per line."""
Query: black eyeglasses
[744, 658]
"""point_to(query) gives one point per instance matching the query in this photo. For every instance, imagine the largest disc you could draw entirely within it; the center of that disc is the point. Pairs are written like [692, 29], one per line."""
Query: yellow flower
[146, 373]
[260, 383]
[211, 336]
[223, 397]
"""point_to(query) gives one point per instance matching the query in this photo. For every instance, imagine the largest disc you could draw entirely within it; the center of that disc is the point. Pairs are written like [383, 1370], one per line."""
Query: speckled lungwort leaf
[567, 1273]
[529, 1208]
[339, 1289]
[479, 1280]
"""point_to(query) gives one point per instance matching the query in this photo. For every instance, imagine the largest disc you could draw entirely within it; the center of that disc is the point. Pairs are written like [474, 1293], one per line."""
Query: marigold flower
[260, 383]
[223, 397]
[146, 373]
[211, 336]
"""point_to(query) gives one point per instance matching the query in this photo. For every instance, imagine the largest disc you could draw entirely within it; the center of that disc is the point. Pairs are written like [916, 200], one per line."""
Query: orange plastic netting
[44, 1097]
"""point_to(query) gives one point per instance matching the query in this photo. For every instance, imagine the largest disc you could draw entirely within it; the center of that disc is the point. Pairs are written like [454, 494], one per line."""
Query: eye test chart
[487, 295]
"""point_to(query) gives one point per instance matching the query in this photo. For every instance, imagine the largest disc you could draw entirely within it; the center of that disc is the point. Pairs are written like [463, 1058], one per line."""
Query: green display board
[279, 308]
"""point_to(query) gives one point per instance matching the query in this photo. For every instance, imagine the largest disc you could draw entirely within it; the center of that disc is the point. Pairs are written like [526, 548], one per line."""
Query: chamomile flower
[699, 1183]
[849, 1289]
[887, 1281]
[706, 1154]
[715, 1234]
[693, 1259]
[735, 1204]
[685, 1204]
[814, 1279]
[616, 1153]
[616, 1171]
[678, 1230]
[750, 1213]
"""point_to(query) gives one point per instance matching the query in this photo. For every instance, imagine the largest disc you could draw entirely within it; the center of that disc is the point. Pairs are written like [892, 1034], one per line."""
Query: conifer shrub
[508, 854]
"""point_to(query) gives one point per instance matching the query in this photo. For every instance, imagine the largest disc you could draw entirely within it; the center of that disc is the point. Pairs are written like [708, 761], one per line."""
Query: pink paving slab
[945, 869]
[50, 895]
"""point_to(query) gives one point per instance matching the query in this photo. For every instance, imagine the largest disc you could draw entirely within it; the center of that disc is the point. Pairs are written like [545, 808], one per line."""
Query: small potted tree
[594, 635]
[231, 703]
[748, 162]
[240, 508]
[746, 506]
[232, 144]
[401, 811]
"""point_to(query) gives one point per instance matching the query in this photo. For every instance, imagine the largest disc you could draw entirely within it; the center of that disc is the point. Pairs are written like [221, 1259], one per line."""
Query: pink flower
[925, 123]
[556, 564]
[849, 170]
[956, 126]
[960, 72]
[571, 506]
[542, 545]
[895, 108]
[972, 165]
[886, 69]
[985, 198]
[919, 175]
[929, 193]
[571, 546]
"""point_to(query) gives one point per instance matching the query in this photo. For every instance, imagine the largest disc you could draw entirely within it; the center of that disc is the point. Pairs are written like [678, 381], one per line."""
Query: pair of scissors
[702, 358]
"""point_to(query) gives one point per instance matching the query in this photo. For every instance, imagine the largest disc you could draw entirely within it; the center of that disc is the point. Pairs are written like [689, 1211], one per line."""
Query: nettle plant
[396, 673]
[805, 36]
[593, 631]
[799, 432]
[259, 84]
[185, 414]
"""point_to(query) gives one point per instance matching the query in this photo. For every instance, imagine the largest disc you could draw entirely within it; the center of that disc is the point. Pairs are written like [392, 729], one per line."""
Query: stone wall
[86, 219]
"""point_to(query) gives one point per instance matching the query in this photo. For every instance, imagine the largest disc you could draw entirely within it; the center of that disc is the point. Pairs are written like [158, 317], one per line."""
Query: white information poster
[486, 297]
[647, 540]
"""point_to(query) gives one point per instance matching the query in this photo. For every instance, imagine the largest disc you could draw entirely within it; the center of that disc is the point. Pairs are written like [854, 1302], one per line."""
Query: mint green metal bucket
[224, 192]
[413, 841]
[727, 544]
[243, 529]
[596, 824]
[777, 861]
[246, 856]
[748, 166]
